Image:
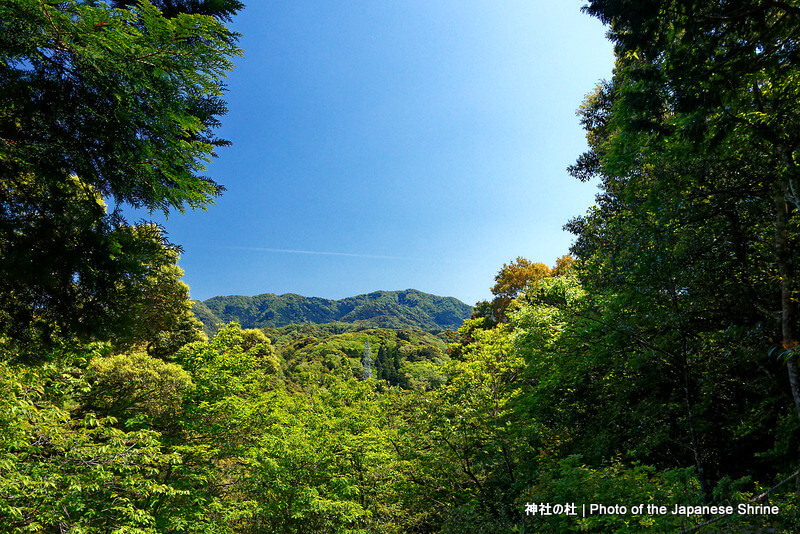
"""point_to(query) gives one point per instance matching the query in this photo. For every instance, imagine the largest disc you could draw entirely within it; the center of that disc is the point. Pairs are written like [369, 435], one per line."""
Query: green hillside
[410, 309]
[406, 358]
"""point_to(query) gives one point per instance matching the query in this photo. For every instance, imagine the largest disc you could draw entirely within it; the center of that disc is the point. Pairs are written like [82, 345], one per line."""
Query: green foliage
[462, 440]
[403, 358]
[222, 443]
[157, 316]
[292, 461]
[382, 309]
[136, 389]
[327, 470]
[69, 470]
[687, 259]
[234, 361]
[568, 480]
[210, 323]
[132, 98]
[649, 371]
[695, 147]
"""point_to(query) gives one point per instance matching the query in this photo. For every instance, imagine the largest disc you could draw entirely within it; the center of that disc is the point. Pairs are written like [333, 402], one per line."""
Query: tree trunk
[783, 254]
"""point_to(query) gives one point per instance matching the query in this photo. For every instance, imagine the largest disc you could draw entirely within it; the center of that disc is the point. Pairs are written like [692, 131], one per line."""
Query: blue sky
[382, 145]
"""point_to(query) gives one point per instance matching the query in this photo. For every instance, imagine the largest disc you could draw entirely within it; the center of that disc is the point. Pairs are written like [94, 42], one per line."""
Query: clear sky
[395, 144]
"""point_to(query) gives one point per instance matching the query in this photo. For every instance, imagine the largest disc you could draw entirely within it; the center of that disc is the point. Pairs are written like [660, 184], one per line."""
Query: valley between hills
[407, 332]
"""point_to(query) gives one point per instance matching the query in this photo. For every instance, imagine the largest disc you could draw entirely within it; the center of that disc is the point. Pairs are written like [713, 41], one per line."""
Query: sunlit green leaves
[79, 472]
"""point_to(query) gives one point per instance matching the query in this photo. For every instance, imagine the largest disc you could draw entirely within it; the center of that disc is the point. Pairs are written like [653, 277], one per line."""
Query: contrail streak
[323, 253]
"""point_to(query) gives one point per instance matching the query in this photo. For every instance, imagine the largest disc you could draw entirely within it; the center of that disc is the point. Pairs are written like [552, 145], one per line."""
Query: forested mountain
[381, 309]
[656, 366]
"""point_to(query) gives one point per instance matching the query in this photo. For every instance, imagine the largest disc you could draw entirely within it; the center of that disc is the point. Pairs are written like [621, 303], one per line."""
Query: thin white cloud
[347, 255]
[324, 253]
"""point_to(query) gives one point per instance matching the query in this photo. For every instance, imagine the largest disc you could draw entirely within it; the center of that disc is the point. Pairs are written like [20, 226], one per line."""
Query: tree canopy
[101, 107]
[649, 367]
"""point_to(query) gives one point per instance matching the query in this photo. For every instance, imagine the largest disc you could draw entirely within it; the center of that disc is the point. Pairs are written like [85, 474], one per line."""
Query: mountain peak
[407, 308]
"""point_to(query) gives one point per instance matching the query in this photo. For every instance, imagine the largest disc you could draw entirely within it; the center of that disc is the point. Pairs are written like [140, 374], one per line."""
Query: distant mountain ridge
[381, 309]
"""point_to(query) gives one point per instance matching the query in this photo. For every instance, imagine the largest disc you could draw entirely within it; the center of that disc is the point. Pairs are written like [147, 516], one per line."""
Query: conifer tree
[100, 107]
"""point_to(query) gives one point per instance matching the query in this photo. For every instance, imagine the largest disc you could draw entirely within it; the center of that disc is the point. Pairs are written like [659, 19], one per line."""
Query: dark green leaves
[99, 105]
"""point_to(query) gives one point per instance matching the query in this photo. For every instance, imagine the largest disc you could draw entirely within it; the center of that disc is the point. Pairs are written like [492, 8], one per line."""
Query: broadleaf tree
[703, 104]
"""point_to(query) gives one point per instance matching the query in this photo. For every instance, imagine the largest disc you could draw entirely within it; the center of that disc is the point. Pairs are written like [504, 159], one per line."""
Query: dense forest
[652, 371]
[380, 309]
